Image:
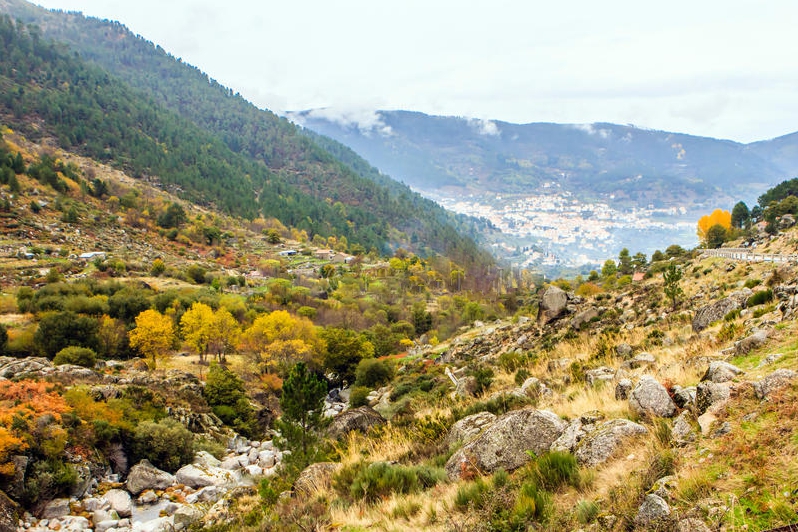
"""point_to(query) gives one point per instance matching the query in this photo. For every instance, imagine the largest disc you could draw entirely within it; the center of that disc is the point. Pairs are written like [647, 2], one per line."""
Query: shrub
[586, 511]
[532, 504]
[358, 396]
[760, 298]
[484, 378]
[471, 494]
[521, 376]
[166, 444]
[750, 283]
[373, 373]
[381, 479]
[80, 356]
[510, 361]
[555, 469]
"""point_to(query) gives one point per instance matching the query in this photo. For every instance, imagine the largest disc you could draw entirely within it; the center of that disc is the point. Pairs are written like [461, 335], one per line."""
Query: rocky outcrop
[717, 310]
[600, 374]
[9, 513]
[468, 428]
[751, 342]
[145, 476]
[361, 419]
[583, 317]
[653, 514]
[650, 398]
[315, 478]
[505, 443]
[199, 476]
[553, 303]
[775, 381]
[720, 371]
[599, 445]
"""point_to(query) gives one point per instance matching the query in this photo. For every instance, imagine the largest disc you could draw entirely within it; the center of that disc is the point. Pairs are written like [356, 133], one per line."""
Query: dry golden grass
[580, 399]
[392, 444]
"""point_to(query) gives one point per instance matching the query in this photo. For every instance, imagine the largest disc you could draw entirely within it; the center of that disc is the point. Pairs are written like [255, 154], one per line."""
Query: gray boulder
[600, 444]
[720, 371]
[186, 516]
[504, 444]
[650, 398]
[711, 393]
[653, 514]
[197, 476]
[749, 343]
[584, 317]
[717, 310]
[361, 419]
[692, 524]
[55, 509]
[466, 386]
[683, 432]
[775, 381]
[468, 428]
[120, 502]
[623, 389]
[145, 476]
[623, 350]
[600, 374]
[553, 303]
[684, 397]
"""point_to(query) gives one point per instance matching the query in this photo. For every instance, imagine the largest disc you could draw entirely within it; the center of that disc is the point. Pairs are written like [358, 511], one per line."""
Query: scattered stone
[120, 502]
[684, 397]
[711, 394]
[717, 310]
[196, 476]
[581, 318]
[775, 381]
[664, 486]
[650, 398]
[600, 444]
[505, 443]
[55, 509]
[360, 419]
[770, 359]
[186, 516]
[468, 428]
[145, 476]
[746, 345]
[724, 429]
[600, 374]
[682, 432]
[553, 302]
[692, 525]
[720, 371]
[623, 389]
[558, 363]
[466, 387]
[639, 361]
[653, 514]
[315, 478]
[623, 350]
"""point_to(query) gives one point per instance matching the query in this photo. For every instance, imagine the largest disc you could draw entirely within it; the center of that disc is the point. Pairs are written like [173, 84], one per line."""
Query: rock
[186, 516]
[775, 381]
[55, 509]
[505, 443]
[83, 480]
[786, 221]
[653, 514]
[639, 361]
[720, 371]
[600, 444]
[584, 317]
[600, 374]
[9, 513]
[558, 363]
[684, 397]
[231, 463]
[706, 421]
[13, 367]
[266, 459]
[622, 389]
[570, 437]
[665, 486]
[682, 432]
[208, 494]
[360, 419]
[120, 502]
[468, 428]
[722, 430]
[74, 523]
[206, 459]
[623, 350]
[145, 476]
[466, 387]
[105, 525]
[717, 310]
[148, 497]
[692, 525]
[196, 476]
[770, 359]
[711, 393]
[553, 302]
[749, 343]
[650, 398]
[628, 315]
[315, 478]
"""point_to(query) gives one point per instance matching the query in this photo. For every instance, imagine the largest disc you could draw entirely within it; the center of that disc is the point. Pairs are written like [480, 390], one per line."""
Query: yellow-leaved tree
[706, 223]
[153, 335]
[208, 331]
[281, 339]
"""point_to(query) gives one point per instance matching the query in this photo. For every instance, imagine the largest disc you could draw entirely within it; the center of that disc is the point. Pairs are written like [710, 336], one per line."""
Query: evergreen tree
[672, 276]
[740, 215]
[302, 403]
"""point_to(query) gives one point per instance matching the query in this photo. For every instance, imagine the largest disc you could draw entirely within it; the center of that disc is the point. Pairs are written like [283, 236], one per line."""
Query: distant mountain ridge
[624, 163]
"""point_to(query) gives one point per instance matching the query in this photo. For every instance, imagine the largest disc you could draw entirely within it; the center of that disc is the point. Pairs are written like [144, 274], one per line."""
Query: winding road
[750, 255]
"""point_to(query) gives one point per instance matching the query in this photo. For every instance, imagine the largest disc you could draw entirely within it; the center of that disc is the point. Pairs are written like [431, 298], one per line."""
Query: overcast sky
[720, 68]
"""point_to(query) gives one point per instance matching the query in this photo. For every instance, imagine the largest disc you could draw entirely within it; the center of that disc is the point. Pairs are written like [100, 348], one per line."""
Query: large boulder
[711, 393]
[505, 443]
[186, 516]
[120, 502]
[145, 476]
[599, 445]
[717, 310]
[683, 432]
[751, 342]
[55, 509]
[553, 303]
[653, 514]
[361, 419]
[775, 381]
[468, 428]
[586, 316]
[720, 371]
[9, 513]
[315, 478]
[650, 398]
[198, 476]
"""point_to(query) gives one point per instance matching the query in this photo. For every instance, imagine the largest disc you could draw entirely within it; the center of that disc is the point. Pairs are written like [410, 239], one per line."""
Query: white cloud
[366, 120]
[485, 127]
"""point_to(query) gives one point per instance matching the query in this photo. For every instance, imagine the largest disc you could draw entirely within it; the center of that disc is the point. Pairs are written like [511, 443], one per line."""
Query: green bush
[586, 511]
[521, 376]
[373, 373]
[166, 444]
[224, 392]
[760, 298]
[750, 283]
[510, 361]
[371, 482]
[484, 378]
[401, 389]
[555, 469]
[532, 504]
[358, 396]
[80, 356]
[471, 495]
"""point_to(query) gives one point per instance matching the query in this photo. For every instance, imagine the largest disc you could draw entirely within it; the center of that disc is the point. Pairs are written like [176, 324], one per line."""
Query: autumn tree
[153, 335]
[280, 339]
[718, 217]
[195, 327]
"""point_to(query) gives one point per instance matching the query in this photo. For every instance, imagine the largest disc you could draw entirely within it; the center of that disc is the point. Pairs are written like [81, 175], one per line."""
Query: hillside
[293, 163]
[449, 156]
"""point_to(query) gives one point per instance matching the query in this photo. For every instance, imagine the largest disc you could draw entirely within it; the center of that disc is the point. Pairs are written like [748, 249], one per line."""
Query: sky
[718, 68]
